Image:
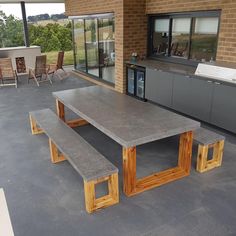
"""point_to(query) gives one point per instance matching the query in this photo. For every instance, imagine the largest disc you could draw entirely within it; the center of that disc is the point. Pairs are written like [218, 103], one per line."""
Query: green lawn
[52, 57]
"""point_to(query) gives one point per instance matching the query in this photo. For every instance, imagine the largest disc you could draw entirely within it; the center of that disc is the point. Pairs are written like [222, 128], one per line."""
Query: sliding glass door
[91, 37]
[79, 45]
[94, 46]
[107, 49]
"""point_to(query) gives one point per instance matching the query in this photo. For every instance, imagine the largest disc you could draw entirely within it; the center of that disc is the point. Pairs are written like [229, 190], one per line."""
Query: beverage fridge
[135, 81]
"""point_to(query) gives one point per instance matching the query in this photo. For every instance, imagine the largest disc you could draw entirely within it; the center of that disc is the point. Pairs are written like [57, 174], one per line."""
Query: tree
[2, 29]
[11, 31]
[51, 37]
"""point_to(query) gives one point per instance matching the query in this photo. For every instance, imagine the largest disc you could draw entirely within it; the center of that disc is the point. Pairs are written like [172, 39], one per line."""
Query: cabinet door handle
[209, 81]
[217, 83]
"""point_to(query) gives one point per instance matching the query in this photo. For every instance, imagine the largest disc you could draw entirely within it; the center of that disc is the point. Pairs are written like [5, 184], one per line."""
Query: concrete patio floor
[48, 199]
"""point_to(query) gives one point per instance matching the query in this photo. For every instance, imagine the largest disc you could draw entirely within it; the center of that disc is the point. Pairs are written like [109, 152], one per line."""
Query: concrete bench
[208, 139]
[66, 144]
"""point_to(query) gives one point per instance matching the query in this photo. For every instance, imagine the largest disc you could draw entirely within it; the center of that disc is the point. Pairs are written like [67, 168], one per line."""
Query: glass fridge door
[131, 76]
[140, 84]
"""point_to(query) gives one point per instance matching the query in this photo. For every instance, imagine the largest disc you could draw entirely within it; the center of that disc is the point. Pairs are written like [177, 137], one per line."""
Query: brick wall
[226, 50]
[84, 7]
[130, 28]
[131, 25]
[135, 28]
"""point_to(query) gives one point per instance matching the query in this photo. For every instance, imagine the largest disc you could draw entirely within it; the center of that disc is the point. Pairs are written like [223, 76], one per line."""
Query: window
[160, 36]
[185, 37]
[204, 39]
[180, 37]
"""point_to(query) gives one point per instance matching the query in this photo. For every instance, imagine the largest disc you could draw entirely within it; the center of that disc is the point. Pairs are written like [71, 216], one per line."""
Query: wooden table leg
[133, 186]
[129, 170]
[185, 151]
[60, 110]
[61, 113]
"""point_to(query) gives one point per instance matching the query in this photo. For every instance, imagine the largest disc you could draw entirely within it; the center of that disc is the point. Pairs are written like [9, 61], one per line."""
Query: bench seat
[208, 139]
[86, 160]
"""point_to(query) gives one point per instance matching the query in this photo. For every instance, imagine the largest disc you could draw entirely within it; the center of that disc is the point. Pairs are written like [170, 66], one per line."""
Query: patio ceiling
[32, 1]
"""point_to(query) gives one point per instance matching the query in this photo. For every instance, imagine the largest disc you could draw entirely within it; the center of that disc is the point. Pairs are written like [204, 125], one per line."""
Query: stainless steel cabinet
[224, 107]
[193, 96]
[201, 98]
[159, 87]
[181, 94]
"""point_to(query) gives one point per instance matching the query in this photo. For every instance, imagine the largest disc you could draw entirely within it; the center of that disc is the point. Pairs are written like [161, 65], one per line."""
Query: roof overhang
[31, 1]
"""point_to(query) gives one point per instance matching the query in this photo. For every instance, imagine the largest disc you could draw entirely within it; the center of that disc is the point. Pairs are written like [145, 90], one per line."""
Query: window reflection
[107, 49]
[80, 44]
[160, 37]
[204, 39]
[180, 37]
[92, 46]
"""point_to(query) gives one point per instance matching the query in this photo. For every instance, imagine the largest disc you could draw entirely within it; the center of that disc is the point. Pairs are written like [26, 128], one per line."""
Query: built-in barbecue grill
[216, 72]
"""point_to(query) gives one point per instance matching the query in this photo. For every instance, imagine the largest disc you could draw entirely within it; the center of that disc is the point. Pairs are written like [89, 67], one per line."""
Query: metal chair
[40, 72]
[7, 73]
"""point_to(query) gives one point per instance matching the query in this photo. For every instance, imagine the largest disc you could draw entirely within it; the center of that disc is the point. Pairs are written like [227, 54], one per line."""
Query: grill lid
[216, 72]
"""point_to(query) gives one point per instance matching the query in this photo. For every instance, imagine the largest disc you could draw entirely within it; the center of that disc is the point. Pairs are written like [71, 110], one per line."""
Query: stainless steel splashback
[216, 72]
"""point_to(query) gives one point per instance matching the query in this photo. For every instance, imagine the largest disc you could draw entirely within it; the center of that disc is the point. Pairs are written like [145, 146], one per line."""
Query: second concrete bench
[208, 139]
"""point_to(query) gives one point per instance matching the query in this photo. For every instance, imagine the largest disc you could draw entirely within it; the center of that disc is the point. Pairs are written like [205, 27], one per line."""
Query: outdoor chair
[40, 72]
[53, 68]
[8, 76]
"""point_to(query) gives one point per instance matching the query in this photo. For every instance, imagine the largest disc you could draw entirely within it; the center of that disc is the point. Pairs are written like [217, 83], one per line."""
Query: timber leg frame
[92, 203]
[61, 114]
[34, 128]
[133, 186]
[56, 156]
[203, 164]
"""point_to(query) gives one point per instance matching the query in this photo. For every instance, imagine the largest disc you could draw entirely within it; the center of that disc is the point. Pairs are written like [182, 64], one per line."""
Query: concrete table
[130, 123]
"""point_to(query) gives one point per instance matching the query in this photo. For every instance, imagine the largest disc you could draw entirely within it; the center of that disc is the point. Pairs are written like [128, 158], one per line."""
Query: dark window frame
[170, 16]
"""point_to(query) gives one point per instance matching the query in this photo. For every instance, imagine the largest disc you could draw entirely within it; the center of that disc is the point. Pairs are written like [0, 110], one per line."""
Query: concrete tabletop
[126, 120]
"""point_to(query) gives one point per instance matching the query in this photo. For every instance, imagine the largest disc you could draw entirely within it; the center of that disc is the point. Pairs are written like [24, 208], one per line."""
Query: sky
[33, 9]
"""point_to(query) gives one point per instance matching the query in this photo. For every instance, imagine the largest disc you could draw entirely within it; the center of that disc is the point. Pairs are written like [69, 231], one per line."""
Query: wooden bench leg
[55, 155]
[203, 164]
[92, 203]
[34, 128]
[133, 186]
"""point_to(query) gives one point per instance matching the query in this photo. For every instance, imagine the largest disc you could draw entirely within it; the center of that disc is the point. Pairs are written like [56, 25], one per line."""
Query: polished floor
[108, 73]
[48, 199]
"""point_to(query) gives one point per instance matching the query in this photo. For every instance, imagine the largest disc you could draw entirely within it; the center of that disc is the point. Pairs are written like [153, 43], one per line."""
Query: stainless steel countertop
[181, 69]
[166, 66]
